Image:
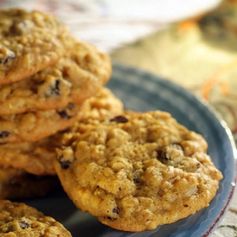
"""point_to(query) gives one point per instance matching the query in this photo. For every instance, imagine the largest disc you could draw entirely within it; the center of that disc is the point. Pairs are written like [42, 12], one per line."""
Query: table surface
[180, 53]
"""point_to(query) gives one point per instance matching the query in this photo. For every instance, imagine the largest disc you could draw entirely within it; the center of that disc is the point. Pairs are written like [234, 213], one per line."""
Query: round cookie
[17, 184]
[37, 157]
[18, 219]
[73, 79]
[137, 171]
[33, 126]
[29, 42]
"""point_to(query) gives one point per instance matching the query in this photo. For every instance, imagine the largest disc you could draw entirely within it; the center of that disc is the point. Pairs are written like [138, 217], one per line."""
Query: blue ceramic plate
[142, 91]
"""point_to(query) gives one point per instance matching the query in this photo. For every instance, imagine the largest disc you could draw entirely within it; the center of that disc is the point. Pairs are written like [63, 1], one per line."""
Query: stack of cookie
[45, 76]
[133, 171]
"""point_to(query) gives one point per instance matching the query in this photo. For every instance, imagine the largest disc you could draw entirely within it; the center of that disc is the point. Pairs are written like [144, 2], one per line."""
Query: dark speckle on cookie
[115, 210]
[162, 156]
[6, 56]
[119, 119]
[65, 157]
[55, 89]
[4, 134]
[23, 224]
[65, 164]
[20, 27]
[64, 114]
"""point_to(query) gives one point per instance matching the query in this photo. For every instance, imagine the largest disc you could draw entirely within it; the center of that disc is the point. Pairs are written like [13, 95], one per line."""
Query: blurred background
[190, 42]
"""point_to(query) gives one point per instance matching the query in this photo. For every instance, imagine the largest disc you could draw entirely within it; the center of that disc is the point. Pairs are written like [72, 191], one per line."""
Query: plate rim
[213, 113]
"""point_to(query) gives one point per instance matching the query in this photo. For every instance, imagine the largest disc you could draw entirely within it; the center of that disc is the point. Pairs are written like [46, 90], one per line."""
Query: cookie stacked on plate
[45, 76]
[132, 170]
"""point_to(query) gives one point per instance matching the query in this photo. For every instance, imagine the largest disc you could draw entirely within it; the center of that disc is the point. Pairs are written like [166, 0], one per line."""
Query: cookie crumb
[65, 157]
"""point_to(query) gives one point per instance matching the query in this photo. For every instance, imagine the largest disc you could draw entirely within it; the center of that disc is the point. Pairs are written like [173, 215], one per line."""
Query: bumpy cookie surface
[20, 220]
[17, 184]
[33, 126]
[137, 171]
[29, 42]
[37, 157]
[104, 105]
[74, 78]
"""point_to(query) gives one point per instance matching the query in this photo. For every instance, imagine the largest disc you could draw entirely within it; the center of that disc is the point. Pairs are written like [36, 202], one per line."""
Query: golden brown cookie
[17, 184]
[137, 171]
[33, 126]
[18, 220]
[29, 42]
[73, 79]
[32, 157]
[104, 105]
[37, 157]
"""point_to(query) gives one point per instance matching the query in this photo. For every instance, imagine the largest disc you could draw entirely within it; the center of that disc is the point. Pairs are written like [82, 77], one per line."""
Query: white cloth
[111, 23]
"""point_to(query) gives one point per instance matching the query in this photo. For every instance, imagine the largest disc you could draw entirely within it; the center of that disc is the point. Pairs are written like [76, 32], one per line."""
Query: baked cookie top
[29, 42]
[74, 78]
[137, 170]
[33, 126]
[18, 219]
[103, 105]
[17, 184]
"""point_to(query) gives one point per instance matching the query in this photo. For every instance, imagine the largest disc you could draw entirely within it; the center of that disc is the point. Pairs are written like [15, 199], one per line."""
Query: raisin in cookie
[137, 170]
[18, 219]
[73, 79]
[29, 42]
[17, 184]
[33, 126]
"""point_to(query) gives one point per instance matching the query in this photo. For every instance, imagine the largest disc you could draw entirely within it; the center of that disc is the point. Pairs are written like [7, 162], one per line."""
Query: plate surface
[142, 91]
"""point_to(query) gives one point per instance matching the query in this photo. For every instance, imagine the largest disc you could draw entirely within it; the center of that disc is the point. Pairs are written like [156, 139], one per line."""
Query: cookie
[74, 78]
[37, 157]
[18, 219]
[32, 157]
[30, 41]
[137, 171]
[33, 126]
[17, 184]
[104, 105]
